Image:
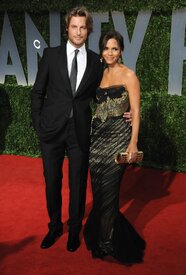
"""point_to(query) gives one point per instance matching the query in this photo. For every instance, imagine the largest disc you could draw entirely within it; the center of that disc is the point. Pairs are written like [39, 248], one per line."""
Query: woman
[107, 232]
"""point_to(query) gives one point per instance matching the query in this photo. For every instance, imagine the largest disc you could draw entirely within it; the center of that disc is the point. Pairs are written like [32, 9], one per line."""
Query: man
[62, 119]
[66, 81]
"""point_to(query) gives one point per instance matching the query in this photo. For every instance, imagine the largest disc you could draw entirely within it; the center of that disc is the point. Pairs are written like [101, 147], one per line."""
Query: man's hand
[128, 117]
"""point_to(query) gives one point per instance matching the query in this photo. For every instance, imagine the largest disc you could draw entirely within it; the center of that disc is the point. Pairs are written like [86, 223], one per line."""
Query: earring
[120, 60]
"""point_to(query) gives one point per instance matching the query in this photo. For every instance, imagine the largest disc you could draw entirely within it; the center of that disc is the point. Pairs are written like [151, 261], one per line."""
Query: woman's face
[112, 52]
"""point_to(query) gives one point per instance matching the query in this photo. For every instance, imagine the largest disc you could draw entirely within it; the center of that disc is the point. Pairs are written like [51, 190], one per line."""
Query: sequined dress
[107, 231]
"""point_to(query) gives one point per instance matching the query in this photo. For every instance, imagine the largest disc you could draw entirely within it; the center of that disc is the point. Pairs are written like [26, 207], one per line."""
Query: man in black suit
[62, 119]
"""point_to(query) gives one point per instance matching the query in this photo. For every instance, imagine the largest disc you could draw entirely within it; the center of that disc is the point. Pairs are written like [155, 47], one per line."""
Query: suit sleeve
[39, 89]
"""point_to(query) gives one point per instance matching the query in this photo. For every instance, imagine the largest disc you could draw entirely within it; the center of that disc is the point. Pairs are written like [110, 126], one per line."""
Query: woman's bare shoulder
[127, 71]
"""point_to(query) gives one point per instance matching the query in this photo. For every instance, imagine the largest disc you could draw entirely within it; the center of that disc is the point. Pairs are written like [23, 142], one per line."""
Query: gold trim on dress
[112, 107]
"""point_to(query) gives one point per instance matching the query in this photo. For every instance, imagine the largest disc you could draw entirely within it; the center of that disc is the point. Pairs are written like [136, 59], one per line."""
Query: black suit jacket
[52, 98]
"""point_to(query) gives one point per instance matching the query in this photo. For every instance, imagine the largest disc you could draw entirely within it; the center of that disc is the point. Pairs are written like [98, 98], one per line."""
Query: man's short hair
[83, 12]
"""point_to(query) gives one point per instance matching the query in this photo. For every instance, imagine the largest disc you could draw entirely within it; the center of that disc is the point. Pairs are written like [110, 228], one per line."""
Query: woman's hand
[132, 150]
[128, 117]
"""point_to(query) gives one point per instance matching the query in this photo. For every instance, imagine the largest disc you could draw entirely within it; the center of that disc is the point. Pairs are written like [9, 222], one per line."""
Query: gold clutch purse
[125, 157]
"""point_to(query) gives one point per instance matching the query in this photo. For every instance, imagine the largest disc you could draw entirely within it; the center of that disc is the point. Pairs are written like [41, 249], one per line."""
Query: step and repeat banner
[35, 42]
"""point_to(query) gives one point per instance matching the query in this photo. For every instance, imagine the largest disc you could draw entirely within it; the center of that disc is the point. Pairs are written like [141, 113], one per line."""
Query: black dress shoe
[73, 242]
[50, 239]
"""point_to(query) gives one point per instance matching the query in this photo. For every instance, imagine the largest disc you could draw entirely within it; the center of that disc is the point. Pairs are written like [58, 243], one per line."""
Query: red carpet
[153, 200]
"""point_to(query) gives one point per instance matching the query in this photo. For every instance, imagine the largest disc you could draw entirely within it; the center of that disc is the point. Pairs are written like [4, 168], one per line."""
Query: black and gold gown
[107, 231]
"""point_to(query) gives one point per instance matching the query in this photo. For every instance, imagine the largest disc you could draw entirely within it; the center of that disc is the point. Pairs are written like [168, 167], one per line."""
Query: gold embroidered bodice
[112, 101]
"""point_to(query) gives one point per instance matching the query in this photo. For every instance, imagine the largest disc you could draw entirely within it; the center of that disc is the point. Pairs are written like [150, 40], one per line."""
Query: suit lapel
[86, 74]
[63, 67]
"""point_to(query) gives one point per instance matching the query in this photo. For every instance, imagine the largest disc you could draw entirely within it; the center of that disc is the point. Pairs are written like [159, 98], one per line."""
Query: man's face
[77, 31]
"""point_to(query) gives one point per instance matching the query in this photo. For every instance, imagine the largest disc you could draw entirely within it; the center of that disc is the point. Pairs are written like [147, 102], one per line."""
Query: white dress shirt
[81, 61]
